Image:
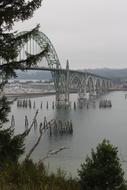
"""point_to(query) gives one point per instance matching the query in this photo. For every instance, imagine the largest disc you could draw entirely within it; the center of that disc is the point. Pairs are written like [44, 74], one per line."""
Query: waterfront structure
[65, 80]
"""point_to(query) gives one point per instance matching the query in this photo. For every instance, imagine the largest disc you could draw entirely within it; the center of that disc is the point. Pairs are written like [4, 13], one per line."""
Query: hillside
[110, 73]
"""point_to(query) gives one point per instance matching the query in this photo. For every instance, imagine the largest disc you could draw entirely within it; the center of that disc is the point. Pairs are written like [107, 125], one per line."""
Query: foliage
[102, 170]
[27, 176]
[4, 110]
[11, 147]
[11, 11]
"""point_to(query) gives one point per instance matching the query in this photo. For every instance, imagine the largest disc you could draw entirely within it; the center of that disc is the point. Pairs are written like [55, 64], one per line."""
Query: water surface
[91, 126]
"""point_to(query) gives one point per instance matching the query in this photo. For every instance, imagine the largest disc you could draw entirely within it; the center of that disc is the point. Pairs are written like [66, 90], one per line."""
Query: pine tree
[102, 171]
[11, 11]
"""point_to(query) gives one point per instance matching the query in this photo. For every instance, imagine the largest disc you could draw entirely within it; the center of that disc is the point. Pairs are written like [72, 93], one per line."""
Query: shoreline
[45, 94]
[30, 94]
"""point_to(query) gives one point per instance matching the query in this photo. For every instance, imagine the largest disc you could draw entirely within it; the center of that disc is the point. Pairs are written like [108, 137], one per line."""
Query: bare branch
[26, 132]
[53, 152]
[36, 144]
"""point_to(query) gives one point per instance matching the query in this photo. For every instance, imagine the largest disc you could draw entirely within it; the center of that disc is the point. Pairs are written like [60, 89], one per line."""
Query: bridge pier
[92, 94]
[63, 94]
[67, 94]
[82, 97]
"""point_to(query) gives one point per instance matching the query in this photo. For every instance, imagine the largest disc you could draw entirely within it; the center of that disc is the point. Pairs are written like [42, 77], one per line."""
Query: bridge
[65, 80]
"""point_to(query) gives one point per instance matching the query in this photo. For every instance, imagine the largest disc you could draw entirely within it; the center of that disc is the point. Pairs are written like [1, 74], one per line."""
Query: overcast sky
[90, 33]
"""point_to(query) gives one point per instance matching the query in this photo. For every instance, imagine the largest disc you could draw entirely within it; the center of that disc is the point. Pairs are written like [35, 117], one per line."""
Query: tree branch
[23, 64]
[39, 138]
[53, 152]
[26, 133]
[36, 144]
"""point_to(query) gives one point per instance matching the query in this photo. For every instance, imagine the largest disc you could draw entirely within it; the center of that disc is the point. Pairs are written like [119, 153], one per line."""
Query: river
[90, 126]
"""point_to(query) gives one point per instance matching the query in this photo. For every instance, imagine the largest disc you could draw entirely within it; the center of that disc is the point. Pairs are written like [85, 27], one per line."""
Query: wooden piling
[47, 105]
[12, 121]
[74, 106]
[34, 105]
[26, 122]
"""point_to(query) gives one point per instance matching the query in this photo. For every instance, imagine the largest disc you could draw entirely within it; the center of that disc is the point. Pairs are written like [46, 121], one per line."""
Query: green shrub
[102, 171]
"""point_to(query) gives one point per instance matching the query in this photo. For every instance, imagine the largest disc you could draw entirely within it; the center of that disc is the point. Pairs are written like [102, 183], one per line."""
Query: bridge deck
[64, 70]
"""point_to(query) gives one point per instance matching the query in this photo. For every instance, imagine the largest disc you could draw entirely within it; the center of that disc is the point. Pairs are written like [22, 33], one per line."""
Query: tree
[11, 11]
[102, 171]
[4, 110]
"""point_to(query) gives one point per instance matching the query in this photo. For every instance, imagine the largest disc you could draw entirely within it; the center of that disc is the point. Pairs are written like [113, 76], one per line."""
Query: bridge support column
[62, 92]
[67, 99]
[57, 86]
[82, 97]
[92, 94]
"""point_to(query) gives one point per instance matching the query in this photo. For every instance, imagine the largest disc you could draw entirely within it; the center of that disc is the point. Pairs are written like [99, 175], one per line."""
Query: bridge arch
[103, 86]
[97, 85]
[107, 84]
[90, 87]
[45, 44]
[75, 81]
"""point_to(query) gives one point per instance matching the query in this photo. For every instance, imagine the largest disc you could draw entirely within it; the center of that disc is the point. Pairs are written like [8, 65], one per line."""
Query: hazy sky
[90, 33]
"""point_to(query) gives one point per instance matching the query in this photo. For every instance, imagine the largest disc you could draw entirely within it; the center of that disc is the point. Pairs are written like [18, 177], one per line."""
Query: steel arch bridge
[65, 80]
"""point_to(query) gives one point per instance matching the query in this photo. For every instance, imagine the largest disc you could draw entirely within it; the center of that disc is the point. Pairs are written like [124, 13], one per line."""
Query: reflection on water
[90, 127]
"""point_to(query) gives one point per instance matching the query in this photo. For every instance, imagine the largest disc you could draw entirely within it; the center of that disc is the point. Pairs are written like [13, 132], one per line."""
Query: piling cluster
[25, 103]
[86, 104]
[28, 104]
[55, 127]
[59, 127]
[105, 104]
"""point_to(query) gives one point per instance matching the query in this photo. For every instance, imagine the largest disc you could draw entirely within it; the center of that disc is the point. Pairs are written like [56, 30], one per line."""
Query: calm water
[91, 126]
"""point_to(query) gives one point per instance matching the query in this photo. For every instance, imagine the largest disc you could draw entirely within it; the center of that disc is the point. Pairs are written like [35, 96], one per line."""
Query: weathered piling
[24, 103]
[87, 105]
[12, 121]
[30, 104]
[60, 128]
[53, 105]
[50, 131]
[41, 105]
[105, 104]
[35, 124]
[26, 122]
[34, 105]
[74, 106]
[45, 122]
[47, 105]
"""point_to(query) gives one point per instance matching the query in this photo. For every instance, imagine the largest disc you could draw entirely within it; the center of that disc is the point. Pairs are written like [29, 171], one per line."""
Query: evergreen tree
[4, 110]
[102, 171]
[11, 11]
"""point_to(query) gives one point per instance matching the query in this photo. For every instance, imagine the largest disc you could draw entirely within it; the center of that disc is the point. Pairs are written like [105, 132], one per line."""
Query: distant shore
[14, 95]
[30, 94]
